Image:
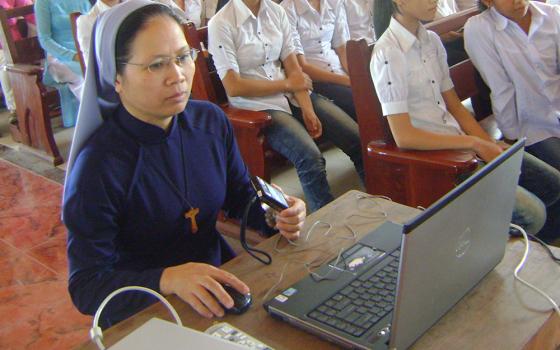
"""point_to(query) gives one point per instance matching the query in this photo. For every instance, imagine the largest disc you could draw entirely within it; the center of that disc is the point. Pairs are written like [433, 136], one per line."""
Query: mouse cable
[522, 264]
[95, 332]
[266, 259]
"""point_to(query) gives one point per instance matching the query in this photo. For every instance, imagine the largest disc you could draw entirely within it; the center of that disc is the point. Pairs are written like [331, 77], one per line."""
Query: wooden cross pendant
[191, 214]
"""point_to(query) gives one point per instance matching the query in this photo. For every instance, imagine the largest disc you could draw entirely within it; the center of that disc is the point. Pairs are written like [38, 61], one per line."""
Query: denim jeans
[540, 174]
[287, 135]
[340, 95]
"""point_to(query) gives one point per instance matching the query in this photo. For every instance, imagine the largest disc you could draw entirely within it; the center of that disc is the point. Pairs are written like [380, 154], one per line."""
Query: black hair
[481, 6]
[132, 25]
[383, 10]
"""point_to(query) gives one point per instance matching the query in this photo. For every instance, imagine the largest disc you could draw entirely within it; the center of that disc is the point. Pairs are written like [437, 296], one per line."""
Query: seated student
[149, 170]
[320, 32]
[14, 25]
[86, 21]
[359, 14]
[199, 11]
[514, 46]
[411, 77]
[55, 36]
[250, 40]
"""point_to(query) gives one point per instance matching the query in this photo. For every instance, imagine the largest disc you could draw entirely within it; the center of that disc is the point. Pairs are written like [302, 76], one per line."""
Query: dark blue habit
[126, 222]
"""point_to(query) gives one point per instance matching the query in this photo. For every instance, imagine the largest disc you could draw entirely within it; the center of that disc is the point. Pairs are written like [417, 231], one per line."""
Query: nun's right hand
[200, 285]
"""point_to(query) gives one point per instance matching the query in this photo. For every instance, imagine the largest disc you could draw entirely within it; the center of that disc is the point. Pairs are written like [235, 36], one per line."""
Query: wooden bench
[36, 103]
[248, 125]
[414, 178]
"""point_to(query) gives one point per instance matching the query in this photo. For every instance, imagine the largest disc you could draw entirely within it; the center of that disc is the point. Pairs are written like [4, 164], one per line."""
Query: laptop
[399, 279]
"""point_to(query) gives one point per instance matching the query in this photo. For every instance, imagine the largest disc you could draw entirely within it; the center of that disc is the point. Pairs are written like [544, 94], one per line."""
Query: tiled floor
[36, 310]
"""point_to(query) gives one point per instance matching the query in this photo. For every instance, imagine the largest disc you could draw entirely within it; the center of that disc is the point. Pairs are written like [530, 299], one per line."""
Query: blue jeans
[287, 135]
[542, 177]
[340, 95]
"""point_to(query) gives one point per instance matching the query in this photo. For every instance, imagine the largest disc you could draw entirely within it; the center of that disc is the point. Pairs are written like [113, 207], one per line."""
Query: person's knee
[529, 211]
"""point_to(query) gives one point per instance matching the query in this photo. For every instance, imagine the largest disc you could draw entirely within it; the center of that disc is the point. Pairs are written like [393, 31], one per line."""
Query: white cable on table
[522, 264]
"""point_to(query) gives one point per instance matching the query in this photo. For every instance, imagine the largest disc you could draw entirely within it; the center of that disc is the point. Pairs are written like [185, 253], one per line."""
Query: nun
[148, 172]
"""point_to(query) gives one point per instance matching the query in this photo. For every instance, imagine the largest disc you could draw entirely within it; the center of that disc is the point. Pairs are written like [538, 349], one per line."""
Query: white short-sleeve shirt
[199, 10]
[359, 14]
[409, 74]
[315, 34]
[522, 71]
[253, 47]
[84, 26]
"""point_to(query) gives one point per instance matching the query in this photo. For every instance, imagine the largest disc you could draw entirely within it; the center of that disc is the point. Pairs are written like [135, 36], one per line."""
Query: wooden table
[497, 314]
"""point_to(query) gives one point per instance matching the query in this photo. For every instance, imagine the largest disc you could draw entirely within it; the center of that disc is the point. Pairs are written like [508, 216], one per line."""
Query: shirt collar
[405, 38]
[502, 21]
[242, 12]
[141, 131]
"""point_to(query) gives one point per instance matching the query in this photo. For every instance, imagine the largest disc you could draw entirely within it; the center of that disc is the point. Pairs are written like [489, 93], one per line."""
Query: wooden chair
[36, 103]
[414, 178]
[74, 24]
[248, 125]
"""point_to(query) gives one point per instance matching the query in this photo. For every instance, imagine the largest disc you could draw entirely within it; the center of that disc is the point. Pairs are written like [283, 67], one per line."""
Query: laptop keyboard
[358, 306]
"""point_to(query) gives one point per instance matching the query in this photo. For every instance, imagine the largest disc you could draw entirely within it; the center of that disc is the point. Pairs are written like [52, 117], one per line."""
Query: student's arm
[341, 52]
[316, 73]
[480, 48]
[224, 52]
[465, 119]
[409, 137]
[319, 74]
[312, 123]
[44, 32]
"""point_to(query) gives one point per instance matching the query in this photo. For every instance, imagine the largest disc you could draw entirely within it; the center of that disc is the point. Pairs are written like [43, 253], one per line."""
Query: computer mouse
[241, 302]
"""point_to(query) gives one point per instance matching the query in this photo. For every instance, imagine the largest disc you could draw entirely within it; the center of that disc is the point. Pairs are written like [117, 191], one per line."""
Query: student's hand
[290, 221]
[504, 145]
[487, 150]
[199, 285]
[312, 124]
[450, 36]
[298, 81]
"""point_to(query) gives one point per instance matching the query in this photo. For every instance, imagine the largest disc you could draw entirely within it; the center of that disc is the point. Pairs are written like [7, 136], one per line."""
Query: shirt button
[265, 44]
[328, 64]
[390, 84]
[220, 46]
[270, 76]
[320, 28]
[424, 61]
[267, 58]
[433, 81]
[386, 62]
[259, 33]
[321, 52]
[438, 102]
[319, 41]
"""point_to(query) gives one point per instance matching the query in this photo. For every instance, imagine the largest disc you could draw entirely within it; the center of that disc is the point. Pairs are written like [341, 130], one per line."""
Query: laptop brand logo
[463, 243]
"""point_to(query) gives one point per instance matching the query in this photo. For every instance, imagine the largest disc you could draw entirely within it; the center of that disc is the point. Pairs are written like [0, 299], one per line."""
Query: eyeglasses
[161, 64]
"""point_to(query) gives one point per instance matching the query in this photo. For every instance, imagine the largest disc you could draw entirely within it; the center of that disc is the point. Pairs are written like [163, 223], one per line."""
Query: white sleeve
[292, 16]
[222, 47]
[446, 83]
[482, 51]
[341, 32]
[287, 35]
[84, 29]
[389, 75]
